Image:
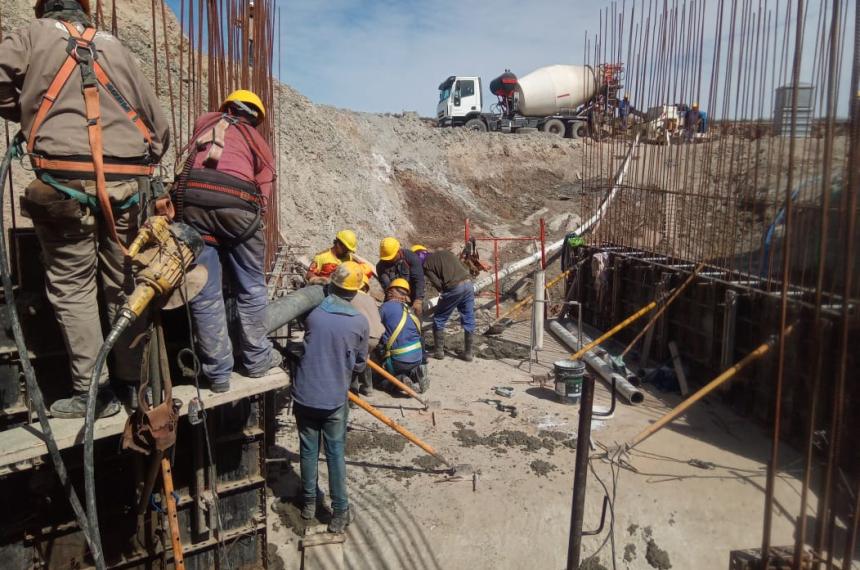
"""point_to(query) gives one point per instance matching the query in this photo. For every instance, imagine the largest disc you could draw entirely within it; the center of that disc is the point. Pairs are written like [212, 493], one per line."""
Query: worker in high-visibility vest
[402, 345]
[325, 262]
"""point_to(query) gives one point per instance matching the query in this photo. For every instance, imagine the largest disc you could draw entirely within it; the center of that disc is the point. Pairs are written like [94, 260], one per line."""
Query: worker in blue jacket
[335, 347]
[401, 344]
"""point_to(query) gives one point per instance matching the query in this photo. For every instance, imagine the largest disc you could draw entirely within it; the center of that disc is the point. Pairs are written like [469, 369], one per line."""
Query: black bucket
[568, 380]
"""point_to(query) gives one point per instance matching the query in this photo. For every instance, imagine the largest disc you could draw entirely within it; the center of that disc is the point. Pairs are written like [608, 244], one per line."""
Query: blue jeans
[330, 426]
[462, 298]
[243, 262]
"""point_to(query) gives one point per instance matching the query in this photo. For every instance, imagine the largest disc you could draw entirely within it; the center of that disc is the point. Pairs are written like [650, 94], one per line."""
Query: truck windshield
[444, 93]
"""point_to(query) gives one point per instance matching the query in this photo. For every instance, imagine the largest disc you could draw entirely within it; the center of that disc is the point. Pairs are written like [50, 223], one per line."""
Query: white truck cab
[459, 100]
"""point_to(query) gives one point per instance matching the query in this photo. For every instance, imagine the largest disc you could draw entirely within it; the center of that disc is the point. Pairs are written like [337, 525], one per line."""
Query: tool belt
[211, 189]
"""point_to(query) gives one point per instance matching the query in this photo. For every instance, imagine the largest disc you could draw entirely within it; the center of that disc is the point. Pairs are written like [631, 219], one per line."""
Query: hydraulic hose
[122, 321]
[30, 376]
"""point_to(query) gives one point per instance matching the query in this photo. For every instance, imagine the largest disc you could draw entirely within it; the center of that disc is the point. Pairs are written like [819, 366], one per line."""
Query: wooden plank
[324, 538]
[18, 446]
[679, 368]
[323, 557]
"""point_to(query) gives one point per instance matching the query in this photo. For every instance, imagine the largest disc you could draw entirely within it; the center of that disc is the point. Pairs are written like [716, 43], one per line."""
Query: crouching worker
[401, 342]
[222, 193]
[326, 261]
[451, 278]
[335, 347]
[362, 382]
[94, 131]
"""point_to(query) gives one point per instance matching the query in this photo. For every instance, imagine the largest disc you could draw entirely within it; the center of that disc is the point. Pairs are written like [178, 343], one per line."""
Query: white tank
[550, 89]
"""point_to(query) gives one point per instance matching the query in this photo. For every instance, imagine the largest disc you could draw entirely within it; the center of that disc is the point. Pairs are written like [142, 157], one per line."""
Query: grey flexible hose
[30, 376]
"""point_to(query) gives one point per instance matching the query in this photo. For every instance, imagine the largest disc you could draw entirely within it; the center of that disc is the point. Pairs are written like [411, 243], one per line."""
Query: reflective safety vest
[391, 353]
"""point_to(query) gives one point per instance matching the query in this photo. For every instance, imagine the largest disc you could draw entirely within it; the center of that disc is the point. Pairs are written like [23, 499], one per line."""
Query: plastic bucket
[568, 380]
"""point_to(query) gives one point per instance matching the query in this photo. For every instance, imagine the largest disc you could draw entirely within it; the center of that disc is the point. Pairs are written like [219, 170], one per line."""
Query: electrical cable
[33, 389]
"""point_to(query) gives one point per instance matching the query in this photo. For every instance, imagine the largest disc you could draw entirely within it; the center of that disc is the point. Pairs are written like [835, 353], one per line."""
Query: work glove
[417, 306]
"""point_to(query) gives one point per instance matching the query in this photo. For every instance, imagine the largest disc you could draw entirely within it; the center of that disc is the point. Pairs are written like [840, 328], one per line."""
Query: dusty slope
[379, 174]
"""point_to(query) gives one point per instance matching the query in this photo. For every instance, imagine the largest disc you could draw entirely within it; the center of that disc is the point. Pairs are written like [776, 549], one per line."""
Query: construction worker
[692, 120]
[335, 348]
[325, 262]
[401, 343]
[222, 193]
[624, 112]
[94, 131]
[447, 274]
[362, 382]
[395, 262]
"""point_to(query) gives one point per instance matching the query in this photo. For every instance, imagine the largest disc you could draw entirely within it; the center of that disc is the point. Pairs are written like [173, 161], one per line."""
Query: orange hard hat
[40, 6]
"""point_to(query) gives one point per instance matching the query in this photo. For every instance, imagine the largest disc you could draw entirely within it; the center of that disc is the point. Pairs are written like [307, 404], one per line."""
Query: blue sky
[391, 55]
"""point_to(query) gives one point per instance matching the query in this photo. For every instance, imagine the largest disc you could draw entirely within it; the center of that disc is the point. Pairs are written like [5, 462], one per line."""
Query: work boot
[467, 346]
[310, 510]
[220, 387]
[76, 407]
[438, 344]
[275, 361]
[340, 521]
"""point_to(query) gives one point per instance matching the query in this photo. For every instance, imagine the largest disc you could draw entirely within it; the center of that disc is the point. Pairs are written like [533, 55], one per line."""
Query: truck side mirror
[456, 95]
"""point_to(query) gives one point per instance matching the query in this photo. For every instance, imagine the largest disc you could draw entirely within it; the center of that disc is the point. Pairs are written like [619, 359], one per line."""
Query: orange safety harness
[82, 55]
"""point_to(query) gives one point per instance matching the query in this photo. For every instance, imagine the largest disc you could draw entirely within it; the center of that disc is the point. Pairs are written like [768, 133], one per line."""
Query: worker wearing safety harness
[94, 131]
[222, 193]
[401, 344]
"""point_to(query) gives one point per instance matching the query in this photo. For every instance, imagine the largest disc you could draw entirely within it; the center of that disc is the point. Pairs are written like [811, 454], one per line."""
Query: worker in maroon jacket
[222, 192]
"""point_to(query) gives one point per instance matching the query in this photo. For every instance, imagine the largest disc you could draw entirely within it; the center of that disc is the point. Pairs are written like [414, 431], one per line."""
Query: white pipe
[538, 310]
[489, 279]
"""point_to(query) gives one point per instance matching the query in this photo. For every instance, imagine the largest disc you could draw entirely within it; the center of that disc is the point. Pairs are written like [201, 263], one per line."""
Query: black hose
[125, 318]
[30, 376]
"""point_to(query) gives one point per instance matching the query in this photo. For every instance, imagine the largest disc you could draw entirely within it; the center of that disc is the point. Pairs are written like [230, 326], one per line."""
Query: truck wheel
[579, 130]
[476, 125]
[554, 127]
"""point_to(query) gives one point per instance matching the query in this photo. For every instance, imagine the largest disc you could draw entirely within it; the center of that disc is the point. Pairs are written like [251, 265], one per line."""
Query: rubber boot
[468, 355]
[438, 344]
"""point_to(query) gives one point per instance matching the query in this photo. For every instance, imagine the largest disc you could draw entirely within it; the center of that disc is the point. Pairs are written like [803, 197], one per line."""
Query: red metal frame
[541, 237]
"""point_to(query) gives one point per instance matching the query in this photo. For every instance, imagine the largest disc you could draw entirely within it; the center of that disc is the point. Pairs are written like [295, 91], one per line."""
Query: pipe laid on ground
[489, 279]
[620, 326]
[603, 369]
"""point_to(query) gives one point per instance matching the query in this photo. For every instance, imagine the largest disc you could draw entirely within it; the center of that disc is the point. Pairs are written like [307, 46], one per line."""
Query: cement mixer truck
[564, 100]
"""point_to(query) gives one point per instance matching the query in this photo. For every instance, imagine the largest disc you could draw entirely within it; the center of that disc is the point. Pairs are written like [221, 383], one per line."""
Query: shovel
[452, 469]
[409, 391]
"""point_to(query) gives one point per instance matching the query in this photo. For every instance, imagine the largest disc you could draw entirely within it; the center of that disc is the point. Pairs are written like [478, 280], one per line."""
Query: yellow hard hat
[417, 247]
[348, 275]
[695, 105]
[401, 283]
[247, 97]
[388, 249]
[348, 239]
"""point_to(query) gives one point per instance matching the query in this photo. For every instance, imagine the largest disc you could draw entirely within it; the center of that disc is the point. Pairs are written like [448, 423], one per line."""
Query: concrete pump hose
[292, 306]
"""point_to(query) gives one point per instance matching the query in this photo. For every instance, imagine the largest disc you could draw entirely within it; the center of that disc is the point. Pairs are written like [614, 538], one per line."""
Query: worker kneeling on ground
[222, 193]
[335, 347]
[401, 342]
[94, 132]
[394, 262]
[445, 272]
[325, 262]
[362, 382]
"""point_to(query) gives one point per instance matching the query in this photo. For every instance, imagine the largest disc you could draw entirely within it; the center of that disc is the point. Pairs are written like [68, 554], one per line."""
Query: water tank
[782, 110]
[553, 88]
[504, 85]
